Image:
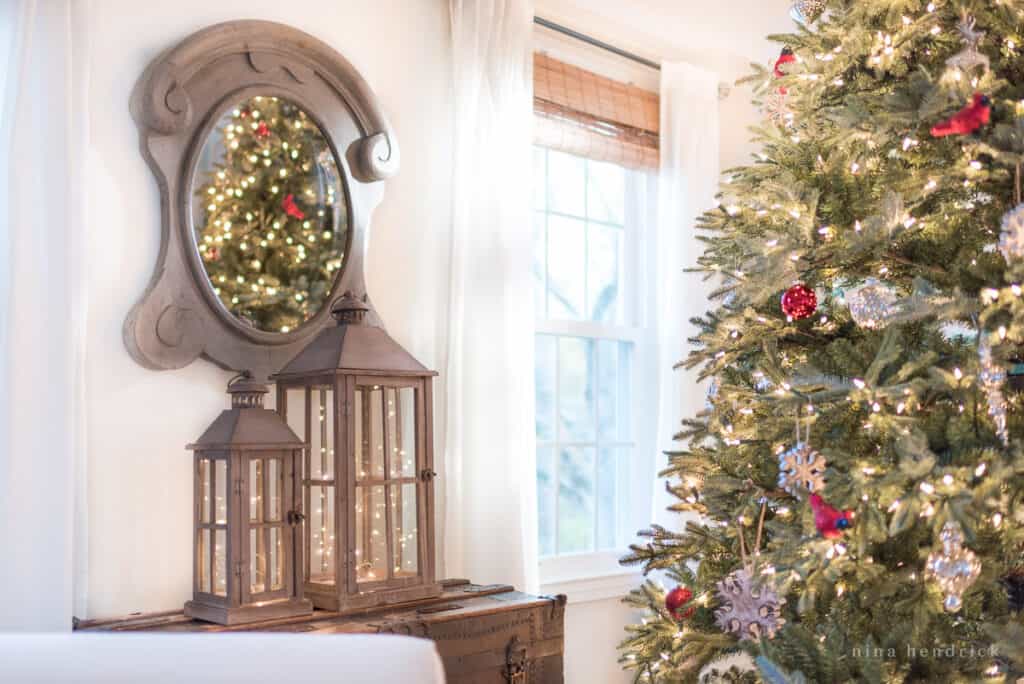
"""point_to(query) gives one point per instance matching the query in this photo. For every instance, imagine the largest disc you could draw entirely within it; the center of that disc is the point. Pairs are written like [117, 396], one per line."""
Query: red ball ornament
[799, 302]
[676, 599]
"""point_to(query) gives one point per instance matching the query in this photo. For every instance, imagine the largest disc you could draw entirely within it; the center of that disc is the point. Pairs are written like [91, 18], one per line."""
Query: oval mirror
[269, 214]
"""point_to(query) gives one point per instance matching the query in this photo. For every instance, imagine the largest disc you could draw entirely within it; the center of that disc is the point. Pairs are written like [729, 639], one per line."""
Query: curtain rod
[724, 89]
[565, 30]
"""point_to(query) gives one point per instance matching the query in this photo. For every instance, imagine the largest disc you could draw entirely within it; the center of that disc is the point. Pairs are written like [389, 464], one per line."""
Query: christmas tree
[856, 483]
[270, 215]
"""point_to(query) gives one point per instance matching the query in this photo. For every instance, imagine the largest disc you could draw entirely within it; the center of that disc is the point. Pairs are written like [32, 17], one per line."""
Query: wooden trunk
[485, 634]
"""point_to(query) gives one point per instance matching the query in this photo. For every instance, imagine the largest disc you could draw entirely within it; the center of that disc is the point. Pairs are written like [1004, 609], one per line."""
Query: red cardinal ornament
[799, 302]
[967, 120]
[262, 130]
[213, 253]
[829, 521]
[291, 208]
[786, 57]
[676, 599]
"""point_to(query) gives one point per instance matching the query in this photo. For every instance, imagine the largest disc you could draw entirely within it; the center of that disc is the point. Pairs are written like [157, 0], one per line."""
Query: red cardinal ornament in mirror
[787, 57]
[291, 208]
[799, 302]
[676, 599]
[262, 130]
[830, 522]
[967, 120]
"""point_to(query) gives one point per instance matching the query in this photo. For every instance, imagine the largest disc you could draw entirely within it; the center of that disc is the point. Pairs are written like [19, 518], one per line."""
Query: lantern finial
[246, 392]
[349, 309]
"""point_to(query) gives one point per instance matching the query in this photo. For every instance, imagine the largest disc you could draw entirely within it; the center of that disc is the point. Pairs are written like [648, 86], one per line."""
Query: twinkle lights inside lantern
[364, 404]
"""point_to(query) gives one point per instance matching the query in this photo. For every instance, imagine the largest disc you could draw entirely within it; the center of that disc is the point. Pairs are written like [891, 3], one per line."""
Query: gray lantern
[246, 514]
[363, 405]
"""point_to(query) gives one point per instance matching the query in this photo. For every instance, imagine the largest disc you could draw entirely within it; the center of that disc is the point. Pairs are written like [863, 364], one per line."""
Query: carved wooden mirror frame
[175, 104]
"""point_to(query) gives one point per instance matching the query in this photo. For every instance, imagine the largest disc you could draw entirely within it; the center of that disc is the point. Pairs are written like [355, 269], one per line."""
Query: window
[590, 346]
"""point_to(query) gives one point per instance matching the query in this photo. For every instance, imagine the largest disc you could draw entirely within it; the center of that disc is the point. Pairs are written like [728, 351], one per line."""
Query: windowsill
[588, 577]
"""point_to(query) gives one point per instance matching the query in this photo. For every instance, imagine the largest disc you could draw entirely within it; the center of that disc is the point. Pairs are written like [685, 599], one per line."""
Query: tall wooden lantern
[246, 512]
[363, 407]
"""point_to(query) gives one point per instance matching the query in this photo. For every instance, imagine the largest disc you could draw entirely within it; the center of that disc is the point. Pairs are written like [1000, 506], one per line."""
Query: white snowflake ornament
[801, 468]
[747, 611]
[1011, 238]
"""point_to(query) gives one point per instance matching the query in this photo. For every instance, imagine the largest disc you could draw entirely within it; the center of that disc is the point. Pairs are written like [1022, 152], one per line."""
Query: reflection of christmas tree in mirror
[269, 214]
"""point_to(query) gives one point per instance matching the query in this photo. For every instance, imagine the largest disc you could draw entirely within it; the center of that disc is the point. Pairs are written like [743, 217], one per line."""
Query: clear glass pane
[401, 427]
[546, 500]
[539, 262]
[566, 184]
[371, 540]
[606, 192]
[321, 461]
[369, 433]
[204, 489]
[545, 369]
[539, 178]
[604, 273]
[320, 529]
[614, 385]
[220, 479]
[256, 488]
[576, 499]
[607, 475]
[566, 267]
[407, 432]
[220, 563]
[275, 487]
[203, 560]
[276, 559]
[257, 562]
[406, 532]
[575, 389]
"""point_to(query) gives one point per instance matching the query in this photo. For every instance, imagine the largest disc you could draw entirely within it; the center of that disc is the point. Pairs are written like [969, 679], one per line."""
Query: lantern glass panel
[220, 487]
[256, 490]
[371, 534]
[205, 472]
[321, 438]
[220, 562]
[406, 533]
[275, 489]
[257, 562]
[203, 560]
[320, 551]
[276, 560]
[369, 433]
[401, 427]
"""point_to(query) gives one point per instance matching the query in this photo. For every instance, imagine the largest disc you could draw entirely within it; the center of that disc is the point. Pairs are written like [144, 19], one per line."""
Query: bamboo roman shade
[582, 113]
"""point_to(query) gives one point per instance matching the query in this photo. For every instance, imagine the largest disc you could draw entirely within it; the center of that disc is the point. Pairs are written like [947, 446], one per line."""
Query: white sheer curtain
[688, 182]
[43, 138]
[488, 488]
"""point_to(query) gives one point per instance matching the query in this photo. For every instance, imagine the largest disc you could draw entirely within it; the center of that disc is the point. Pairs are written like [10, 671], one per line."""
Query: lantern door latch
[427, 475]
[295, 517]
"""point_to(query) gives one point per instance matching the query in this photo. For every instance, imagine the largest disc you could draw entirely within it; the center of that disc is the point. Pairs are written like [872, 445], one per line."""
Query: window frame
[596, 574]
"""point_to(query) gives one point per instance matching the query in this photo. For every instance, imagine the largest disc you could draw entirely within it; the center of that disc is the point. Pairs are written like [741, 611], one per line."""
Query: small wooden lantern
[246, 565]
[363, 405]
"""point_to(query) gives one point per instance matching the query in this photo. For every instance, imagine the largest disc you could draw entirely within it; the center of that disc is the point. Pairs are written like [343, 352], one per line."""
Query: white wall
[140, 480]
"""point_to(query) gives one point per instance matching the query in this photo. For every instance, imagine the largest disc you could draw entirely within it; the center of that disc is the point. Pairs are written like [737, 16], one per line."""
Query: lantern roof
[247, 425]
[353, 345]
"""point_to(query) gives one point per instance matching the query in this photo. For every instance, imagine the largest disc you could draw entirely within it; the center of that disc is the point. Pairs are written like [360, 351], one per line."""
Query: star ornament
[970, 57]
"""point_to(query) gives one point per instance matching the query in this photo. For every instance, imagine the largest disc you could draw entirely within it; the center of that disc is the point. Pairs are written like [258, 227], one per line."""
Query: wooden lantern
[363, 406]
[246, 565]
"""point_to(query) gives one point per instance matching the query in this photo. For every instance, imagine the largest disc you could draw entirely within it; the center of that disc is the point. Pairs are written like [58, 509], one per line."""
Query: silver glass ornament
[953, 567]
[1011, 238]
[806, 11]
[992, 377]
[871, 304]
